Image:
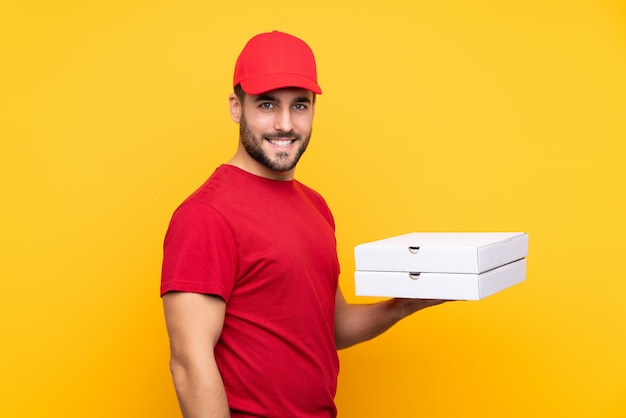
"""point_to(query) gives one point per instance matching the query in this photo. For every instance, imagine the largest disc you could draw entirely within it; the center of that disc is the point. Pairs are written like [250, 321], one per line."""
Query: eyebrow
[270, 98]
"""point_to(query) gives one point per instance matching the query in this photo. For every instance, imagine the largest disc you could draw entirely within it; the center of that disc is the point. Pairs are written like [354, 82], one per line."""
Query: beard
[254, 147]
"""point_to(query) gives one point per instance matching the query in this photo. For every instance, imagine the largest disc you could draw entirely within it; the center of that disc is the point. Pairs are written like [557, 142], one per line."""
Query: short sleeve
[199, 252]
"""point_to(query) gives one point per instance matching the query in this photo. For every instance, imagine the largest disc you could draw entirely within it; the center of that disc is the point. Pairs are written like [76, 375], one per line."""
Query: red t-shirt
[268, 249]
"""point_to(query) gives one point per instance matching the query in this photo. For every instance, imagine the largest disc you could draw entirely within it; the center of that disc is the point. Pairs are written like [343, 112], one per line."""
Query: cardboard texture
[441, 265]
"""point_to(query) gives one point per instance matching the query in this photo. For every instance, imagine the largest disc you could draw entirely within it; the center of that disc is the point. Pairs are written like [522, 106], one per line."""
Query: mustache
[280, 135]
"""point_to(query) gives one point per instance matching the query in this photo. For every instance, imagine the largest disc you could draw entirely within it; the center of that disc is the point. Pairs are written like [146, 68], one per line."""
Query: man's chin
[281, 168]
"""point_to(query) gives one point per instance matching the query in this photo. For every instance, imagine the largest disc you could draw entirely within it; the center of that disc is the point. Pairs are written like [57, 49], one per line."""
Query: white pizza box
[449, 286]
[442, 252]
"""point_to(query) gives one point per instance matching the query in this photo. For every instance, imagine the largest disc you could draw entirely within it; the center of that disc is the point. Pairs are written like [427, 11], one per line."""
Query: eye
[266, 105]
[299, 106]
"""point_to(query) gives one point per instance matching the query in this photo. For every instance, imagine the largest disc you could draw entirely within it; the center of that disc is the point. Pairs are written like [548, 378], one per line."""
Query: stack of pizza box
[441, 265]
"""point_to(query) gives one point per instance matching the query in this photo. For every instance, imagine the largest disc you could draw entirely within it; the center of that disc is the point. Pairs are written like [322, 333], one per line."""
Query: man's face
[275, 127]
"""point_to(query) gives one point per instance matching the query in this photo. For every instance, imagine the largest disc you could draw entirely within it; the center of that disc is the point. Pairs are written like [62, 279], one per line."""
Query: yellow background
[436, 116]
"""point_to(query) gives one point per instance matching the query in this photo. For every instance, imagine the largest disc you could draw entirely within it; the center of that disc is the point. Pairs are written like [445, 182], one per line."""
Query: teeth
[280, 143]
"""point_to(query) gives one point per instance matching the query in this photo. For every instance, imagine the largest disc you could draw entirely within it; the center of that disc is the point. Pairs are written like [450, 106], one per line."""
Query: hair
[241, 95]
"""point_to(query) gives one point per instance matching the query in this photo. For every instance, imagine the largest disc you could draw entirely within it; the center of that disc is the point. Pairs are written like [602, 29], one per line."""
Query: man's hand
[406, 307]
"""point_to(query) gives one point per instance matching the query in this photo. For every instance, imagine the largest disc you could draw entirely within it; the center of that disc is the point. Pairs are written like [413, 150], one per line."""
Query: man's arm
[194, 324]
[355, 323]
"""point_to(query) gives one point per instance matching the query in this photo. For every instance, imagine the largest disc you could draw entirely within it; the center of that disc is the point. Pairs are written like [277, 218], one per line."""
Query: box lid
[442, 252]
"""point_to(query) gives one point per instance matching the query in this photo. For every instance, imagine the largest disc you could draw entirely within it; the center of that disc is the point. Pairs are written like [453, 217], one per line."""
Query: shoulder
[309, 192]
[316, 200]
[195, 220]
[194, 210]
[200, 212]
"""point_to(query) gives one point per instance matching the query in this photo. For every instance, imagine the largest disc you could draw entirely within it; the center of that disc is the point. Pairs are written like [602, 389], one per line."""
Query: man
[250, 272]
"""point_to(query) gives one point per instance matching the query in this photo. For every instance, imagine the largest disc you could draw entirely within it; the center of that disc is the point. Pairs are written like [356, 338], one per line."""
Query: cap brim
[270, 82]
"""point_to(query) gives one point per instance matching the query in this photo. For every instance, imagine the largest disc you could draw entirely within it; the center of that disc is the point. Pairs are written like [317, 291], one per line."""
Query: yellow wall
[436, 116]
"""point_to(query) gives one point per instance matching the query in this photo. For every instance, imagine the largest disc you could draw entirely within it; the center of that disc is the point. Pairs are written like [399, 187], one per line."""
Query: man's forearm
[200, 391]
[356, 323]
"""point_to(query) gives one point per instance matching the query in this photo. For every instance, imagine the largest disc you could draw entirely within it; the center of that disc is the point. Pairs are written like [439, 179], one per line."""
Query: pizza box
[442, 252]
[449, 286]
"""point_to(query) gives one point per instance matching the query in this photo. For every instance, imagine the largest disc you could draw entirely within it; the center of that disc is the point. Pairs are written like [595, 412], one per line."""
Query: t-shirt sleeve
[199, 252]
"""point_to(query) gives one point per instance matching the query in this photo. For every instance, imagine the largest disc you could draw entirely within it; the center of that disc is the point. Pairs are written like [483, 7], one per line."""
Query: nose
[282, 121]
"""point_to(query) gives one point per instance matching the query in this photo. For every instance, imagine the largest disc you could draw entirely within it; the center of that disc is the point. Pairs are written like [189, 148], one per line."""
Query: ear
[235, 107]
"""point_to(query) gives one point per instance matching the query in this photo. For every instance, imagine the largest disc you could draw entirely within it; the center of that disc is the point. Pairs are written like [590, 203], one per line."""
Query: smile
[281, 143]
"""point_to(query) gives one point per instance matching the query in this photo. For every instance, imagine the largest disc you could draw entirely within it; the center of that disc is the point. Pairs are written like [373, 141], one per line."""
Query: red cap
[276, 60]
